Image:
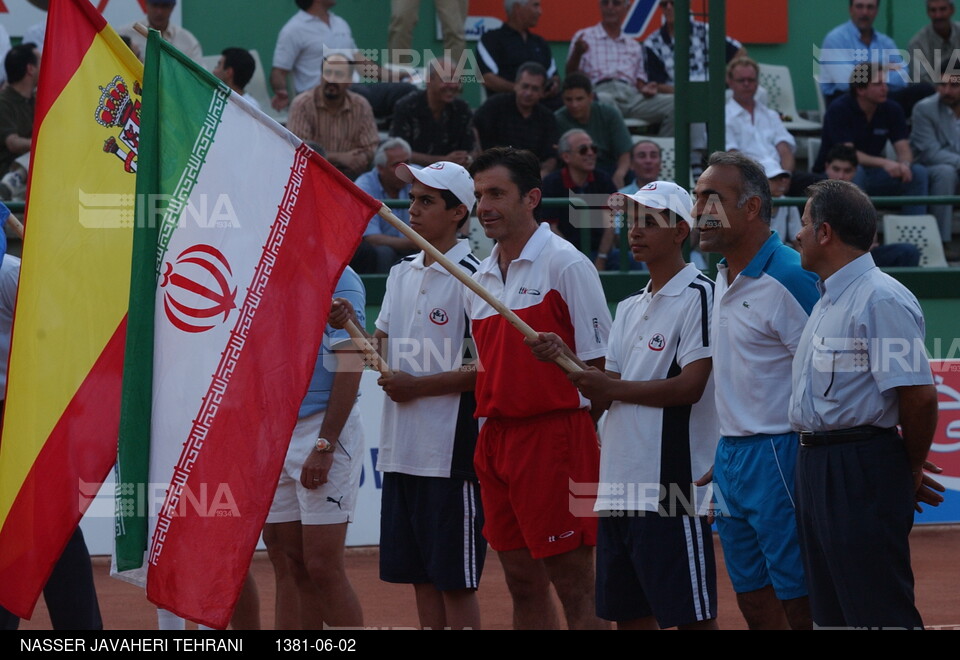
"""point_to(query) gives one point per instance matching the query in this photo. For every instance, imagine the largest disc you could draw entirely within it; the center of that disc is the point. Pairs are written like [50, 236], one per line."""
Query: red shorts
[538, 482]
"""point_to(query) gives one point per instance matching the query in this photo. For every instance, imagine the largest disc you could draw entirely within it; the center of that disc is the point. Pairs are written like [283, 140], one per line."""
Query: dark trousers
[855, 511]
[70, 594]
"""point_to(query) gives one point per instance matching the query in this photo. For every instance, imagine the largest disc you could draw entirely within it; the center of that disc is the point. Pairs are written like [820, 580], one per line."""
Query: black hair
[241, 61]
[17, 60]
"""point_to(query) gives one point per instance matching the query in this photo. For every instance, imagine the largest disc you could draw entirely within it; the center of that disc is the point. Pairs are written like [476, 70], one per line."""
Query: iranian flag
[242, 233]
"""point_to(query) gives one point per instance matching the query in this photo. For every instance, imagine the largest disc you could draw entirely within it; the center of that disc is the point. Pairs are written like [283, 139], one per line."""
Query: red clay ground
[936, 565]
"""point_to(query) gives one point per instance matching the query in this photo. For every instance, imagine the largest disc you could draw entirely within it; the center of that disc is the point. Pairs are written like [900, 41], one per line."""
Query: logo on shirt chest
[439, 316]
[532, 292]
[657, 342]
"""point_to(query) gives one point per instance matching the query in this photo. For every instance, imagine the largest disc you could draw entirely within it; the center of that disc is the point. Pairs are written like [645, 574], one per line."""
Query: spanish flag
[63, 391]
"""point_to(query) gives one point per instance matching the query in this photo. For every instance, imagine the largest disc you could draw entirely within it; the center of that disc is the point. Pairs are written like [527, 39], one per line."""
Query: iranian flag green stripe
[192, 108]
[252, 241]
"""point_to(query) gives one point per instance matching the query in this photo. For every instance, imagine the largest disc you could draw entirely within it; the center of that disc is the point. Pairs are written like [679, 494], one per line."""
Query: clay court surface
[936, 565]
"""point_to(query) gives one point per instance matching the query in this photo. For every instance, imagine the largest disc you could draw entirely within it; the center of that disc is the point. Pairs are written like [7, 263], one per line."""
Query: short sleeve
[894, 330]
[286, 51]
[350, 287]
[615, 340]
[695, 325]
[383, 318]
[581, 289]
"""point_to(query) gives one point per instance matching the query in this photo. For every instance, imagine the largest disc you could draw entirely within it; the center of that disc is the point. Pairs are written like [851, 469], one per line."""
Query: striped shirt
[351, 126]
[607, 58]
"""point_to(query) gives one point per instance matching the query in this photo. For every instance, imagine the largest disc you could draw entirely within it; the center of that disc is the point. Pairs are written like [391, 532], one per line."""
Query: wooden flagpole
[373, 356]
[563, 361]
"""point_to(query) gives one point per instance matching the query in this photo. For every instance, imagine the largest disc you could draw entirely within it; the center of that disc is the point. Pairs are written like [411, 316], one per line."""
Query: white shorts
[333, 502]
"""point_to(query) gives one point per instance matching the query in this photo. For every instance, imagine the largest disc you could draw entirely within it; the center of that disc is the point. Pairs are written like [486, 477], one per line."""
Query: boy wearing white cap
[431, 516]
[655, 560]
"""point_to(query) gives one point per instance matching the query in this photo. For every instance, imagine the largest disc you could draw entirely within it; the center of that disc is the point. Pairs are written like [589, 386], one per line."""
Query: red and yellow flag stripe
[63, 389]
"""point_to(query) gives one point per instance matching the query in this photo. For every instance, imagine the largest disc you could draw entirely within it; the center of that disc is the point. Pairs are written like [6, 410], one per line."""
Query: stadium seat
[919, 230]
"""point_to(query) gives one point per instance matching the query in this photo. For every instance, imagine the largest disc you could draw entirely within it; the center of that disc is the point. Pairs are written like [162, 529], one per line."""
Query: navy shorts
[430, 532]
[653, 565]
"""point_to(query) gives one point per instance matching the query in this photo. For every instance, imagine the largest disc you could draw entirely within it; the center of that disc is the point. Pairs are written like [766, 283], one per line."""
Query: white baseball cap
[442, 175]
[660, 196]
[772, 168]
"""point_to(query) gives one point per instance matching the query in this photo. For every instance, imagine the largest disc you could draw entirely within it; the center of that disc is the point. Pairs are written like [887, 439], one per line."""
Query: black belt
[841, 436]
[606, 80]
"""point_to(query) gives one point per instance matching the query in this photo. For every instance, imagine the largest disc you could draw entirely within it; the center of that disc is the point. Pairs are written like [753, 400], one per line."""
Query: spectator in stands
[659, 50]
[752, 127]
[383, 244]
[235, 68]
[867, 120]
[614, 63]
[603, 122]
[935, 44]
[519, 120]
[17, 100]
[842, 164]
[303, 44]
[785, 220]
[340, 120]
[403, 18]
[501, 51]
[437, 124]
[158, 18]
[579, 176]
[845, 45]
[646, 159]
[936, 143]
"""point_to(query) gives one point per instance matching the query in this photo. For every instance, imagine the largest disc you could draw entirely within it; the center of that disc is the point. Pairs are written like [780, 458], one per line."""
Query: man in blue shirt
[843, 47]
[382, 243]
[317, 490]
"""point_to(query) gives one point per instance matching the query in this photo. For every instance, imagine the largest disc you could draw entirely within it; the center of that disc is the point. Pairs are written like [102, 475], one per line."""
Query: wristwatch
[324, 446]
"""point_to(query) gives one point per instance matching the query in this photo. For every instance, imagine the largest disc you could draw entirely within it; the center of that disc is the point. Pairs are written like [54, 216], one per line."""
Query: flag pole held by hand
[373, 357]
[563, 361]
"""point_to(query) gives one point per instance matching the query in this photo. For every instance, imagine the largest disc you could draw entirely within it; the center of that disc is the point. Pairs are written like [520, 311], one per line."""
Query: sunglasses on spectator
[615, 3]
[584, 148]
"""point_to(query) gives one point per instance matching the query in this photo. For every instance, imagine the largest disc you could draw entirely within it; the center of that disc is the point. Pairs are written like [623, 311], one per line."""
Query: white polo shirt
[553, 287]
[864, 339]
[645, 449]
[757, 322]
[301, 46]
[423, 316]
[756, 135]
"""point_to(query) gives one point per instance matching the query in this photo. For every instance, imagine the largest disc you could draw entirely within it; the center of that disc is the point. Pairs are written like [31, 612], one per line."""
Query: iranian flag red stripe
[232, 290]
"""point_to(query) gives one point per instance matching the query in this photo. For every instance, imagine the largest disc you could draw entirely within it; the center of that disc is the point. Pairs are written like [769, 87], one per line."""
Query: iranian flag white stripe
[243, 263]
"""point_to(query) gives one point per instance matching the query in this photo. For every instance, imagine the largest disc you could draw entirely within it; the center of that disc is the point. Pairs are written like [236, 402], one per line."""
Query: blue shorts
[753, 480]
[653, 565]
[430, 532]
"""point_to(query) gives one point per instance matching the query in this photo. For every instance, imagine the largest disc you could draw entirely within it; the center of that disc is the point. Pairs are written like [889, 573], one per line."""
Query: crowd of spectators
[900, 114]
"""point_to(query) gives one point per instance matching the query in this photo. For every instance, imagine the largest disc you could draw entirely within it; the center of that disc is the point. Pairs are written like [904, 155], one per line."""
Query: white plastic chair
[635, 126]
[480, 245]
[919, 230]
[779, 85]
[668, 151]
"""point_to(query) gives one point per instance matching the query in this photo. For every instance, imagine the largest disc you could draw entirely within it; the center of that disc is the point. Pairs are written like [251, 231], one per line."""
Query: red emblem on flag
[197, 289]
[117, 110]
